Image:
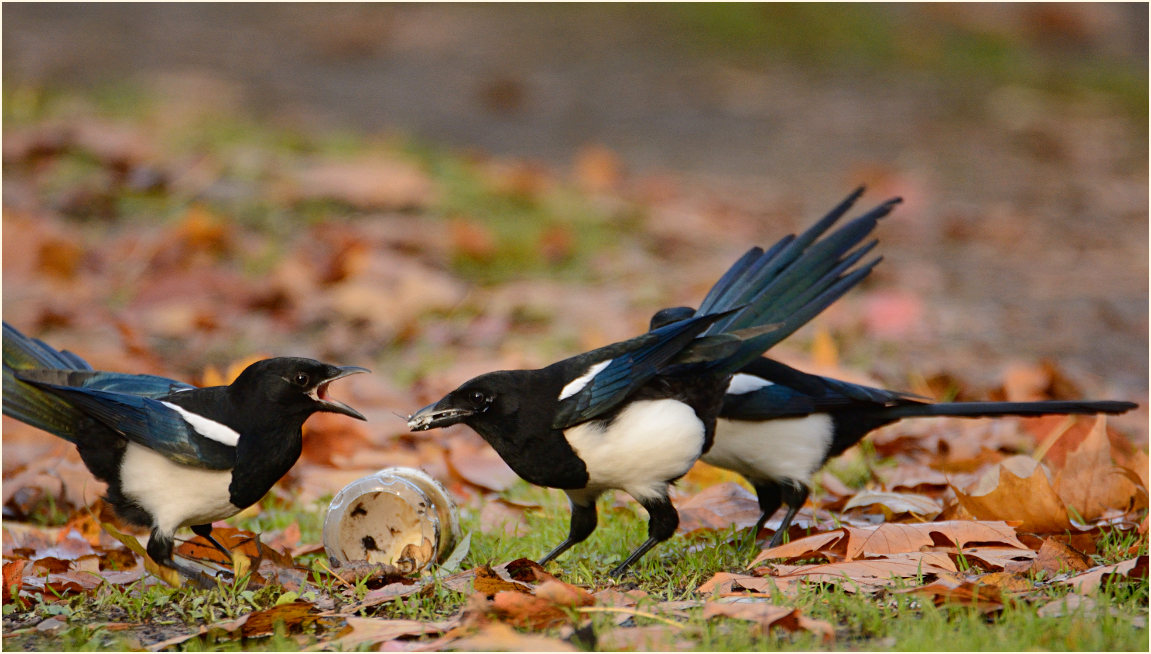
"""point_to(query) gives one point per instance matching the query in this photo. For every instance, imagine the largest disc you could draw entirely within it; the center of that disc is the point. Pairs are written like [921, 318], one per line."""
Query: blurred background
[436, 189]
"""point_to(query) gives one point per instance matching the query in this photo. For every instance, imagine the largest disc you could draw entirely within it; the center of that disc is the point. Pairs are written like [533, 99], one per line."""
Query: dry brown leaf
[1030, 500]
[871, 574]
[1055, 557]
[499, 637]
[1012, 582]
[525, 611]
[725, 583]
[13, 576]
[769, 616]
[564, 594]
[489, 582]
[914, 476]
[952, 590]
[997, 558]
[896, 503]
[373, 631]
[1089, 581]
[1090, 483]
[801, 547]
[262, 623]
[719, 507]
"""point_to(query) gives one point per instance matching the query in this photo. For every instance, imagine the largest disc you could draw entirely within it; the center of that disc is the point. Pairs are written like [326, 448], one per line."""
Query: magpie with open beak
[173, 455]
[779, 425]
[635, 415]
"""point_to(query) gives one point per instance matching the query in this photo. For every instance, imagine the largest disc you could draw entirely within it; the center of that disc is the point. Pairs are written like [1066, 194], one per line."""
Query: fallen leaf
[262, 623]
[891, 538]
[489, 582]
[868, 575]
[13, 574]
[769, 616]
[997, 558]
[895, 503]
[1030, 500]
[1056, 557]
[1090, 483]
[1089, 581]
[718, 507]
[951, 590]
[725, 583]
[373, 631]
[499, 637]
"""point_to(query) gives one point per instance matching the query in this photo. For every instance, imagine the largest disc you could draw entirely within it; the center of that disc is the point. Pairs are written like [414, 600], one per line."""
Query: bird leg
[583, 522]
[205, 532]
[662, 521]
[793, 496]
[769, 502]
[160, 548]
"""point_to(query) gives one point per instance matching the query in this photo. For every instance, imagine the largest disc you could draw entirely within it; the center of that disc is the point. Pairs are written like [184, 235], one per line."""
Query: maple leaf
[1030, 500]
[1090, 483]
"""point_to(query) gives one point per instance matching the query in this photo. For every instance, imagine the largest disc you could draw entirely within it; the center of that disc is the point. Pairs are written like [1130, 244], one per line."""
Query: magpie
[173, 455]
[779, 425]
[635, 415]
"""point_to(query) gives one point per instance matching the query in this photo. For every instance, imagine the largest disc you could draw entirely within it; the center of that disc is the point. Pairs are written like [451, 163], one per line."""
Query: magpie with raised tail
[635, 415]
[173, 455]
[778, 426]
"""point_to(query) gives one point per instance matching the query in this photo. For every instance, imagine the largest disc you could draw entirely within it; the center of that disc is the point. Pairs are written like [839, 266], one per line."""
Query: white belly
[176, 495]
[649, 443]
[786, 449]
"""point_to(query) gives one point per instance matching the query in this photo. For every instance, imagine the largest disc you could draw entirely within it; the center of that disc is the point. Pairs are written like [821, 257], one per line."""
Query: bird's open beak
[333, 406]
[434, 416]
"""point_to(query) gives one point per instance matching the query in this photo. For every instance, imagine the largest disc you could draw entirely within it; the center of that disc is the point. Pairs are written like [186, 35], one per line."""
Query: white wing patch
[576, 385]
[744, 383]
[206, 427]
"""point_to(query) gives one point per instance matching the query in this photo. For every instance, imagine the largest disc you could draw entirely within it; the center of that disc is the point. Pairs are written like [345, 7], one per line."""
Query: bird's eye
[477, 397]
[301, 379]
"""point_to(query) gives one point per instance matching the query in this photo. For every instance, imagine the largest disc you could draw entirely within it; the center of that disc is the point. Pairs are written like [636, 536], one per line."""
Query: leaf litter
[963, 518]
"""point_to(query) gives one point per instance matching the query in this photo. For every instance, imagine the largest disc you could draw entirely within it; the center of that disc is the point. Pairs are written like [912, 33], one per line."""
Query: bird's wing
[608, 375]
[148, 421]
[778, 291]
[786, 391]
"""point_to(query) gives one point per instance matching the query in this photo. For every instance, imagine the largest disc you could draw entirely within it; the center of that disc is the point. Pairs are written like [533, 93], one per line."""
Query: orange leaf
[1031, 500]
[1056, 556]
[1090, 482]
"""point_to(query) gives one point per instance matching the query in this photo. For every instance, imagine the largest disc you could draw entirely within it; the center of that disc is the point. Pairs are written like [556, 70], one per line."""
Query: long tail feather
[996, 409]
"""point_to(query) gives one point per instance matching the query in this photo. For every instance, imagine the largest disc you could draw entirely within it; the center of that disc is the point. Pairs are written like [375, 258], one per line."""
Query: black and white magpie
[779, 425]
[173, 455]
[635, 415]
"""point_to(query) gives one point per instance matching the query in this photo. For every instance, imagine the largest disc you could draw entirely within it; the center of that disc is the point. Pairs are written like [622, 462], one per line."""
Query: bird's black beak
[320, 393]
[437, 415]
